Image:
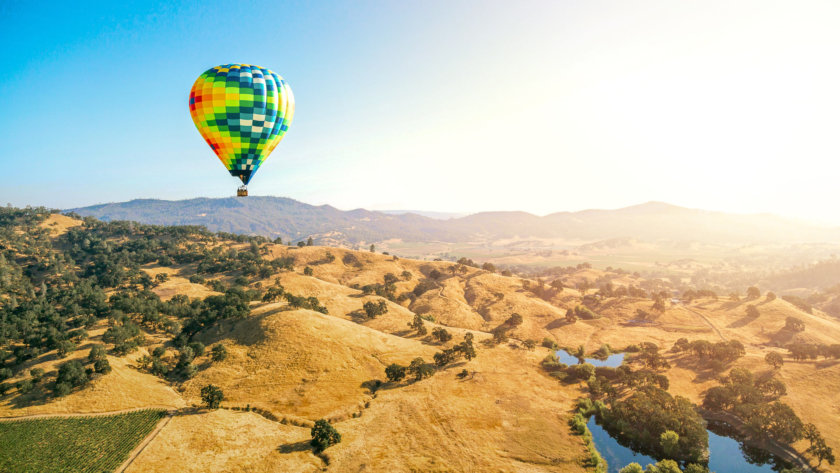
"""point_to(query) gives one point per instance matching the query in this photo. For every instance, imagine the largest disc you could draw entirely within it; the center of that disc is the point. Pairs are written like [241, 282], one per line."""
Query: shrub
[102, 366]
[219, 352]
[395, 372]
[372, 309]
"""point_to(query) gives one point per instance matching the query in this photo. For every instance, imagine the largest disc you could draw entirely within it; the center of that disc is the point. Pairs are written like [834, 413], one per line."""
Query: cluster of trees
[650, 357]
[609, 290]
[386, 289]
[741, 392]
[418, 325]
[450, 355]
[301, 302]
[754, 399]
[373, 309]
[716, 354]
[644, 418]
[418, 368]
[664, 466]
[692, 294]
[801, 351]
[56, 288]
[580, 312]
[604, 382]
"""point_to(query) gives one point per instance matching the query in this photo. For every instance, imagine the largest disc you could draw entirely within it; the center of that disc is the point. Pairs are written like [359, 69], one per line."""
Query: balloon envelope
[242, 111]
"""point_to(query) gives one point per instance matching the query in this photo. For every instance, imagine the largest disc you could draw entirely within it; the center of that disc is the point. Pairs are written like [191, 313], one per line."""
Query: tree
[37, 374]
[488, 267]
[273, 294]
[664, 466]
[632, 468]
[752, 311]
[753, 292]
[445, 357]
[514, 320]
[658, 304]
[466, 349]
[212, 396]
[395, 372]
[420, 369]
[571, 317]
[70, 375]
[794, 324]
[323, 433]
[774, 359]
[771, 296]
[197, 348]
[584, 286]
[372, 248]
[307, 271]
[372, 309]
[406, 275]
[97, 352]
[219, 352]
[435, 274]
[670, 443]
[818, 448]
[417, 324]
[102, 366]
[441, 334]
[309, 241]
[530, 344]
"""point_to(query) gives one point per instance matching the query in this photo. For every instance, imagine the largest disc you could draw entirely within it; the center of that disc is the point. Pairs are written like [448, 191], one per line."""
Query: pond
[726, 454]
[612, 361]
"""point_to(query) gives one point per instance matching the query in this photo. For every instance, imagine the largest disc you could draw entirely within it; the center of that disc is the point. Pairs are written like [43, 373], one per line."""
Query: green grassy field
[73, 444]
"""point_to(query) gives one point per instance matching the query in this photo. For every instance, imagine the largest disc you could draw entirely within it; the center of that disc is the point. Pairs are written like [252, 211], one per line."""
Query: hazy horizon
[446, 214]
[541, 107]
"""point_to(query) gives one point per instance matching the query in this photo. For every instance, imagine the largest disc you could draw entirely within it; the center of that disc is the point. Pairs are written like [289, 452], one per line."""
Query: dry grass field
[298, 366]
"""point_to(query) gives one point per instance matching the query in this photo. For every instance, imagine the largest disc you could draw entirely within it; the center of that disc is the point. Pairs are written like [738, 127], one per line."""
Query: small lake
[613, 361]
[725, 453]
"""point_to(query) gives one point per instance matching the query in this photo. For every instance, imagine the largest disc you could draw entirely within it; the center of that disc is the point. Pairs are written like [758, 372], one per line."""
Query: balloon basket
[242, 191]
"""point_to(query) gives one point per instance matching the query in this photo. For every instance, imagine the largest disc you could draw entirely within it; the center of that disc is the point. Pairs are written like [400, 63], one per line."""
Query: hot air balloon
[243, 112]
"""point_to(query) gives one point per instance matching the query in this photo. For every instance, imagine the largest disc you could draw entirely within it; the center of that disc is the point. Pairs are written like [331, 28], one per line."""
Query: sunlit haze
[446, 106]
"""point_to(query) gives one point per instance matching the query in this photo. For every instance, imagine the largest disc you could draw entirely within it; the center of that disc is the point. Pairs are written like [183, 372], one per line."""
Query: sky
[454, 106]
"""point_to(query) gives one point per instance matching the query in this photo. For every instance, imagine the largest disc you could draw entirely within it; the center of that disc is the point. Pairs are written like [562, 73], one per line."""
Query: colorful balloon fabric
[242, 111]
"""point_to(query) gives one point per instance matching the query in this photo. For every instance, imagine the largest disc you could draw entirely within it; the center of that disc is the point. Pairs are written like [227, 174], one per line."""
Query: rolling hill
[288, 364]
[293, 221]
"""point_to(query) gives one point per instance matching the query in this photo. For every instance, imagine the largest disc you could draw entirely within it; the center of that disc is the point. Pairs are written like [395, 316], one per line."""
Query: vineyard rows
[94, 444]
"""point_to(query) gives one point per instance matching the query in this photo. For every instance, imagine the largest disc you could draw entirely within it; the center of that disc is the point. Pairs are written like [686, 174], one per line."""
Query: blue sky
[450, 106]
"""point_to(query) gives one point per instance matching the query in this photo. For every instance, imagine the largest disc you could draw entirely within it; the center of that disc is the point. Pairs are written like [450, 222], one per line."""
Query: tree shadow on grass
[556, 323]
[745, 320]
[302, 446]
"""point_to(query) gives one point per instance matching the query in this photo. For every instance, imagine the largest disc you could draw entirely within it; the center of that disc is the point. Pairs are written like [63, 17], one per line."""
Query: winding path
[708, 322]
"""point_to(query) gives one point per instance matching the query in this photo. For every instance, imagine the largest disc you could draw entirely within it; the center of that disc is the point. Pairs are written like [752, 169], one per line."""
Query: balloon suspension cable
[242, 191]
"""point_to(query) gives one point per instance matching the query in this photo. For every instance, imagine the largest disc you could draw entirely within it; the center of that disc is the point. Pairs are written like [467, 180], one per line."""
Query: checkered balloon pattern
[242, 111]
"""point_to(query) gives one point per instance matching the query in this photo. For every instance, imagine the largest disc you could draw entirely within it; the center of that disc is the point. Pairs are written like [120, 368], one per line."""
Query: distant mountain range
[292, 220]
